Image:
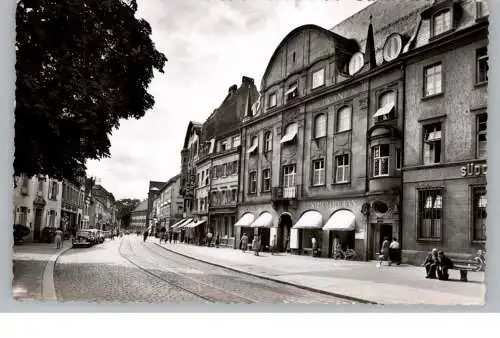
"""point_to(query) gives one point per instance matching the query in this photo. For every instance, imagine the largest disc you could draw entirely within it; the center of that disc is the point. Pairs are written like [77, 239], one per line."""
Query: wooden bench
[464, 266]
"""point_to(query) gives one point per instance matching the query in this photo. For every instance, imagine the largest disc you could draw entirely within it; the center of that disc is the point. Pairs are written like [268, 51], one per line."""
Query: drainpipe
[369, 233]
[400, 230]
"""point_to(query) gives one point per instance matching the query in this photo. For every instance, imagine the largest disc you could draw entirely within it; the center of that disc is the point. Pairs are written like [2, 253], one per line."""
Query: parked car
[48, 234]
[82, 239]
[100, 236]
[93, 236]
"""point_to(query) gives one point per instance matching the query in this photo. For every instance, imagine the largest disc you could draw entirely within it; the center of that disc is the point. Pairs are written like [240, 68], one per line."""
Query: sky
[210, 45]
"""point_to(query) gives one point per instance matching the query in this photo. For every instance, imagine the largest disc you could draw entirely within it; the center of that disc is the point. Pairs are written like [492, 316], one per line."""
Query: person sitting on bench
[430, 263]
[444, 264]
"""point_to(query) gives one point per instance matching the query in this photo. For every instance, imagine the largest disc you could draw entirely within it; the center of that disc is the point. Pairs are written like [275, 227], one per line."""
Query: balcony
[285, 193]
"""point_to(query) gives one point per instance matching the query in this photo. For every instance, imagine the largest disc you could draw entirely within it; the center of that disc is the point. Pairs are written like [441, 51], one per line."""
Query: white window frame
[320, 125]
[318, 78]
[340, 127]
[236, 141]
[318, 178]
[252, 178]
[429, 146]
[266, 177]
[379, 159]
[480, 133]
[289, 173]
[480, 58]
[443, 21]
[273, 100]
[342, 169]
[433, 77]
[268, 141]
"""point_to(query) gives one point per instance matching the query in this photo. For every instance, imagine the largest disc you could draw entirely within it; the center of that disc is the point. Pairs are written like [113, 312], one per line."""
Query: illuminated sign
[472, 169]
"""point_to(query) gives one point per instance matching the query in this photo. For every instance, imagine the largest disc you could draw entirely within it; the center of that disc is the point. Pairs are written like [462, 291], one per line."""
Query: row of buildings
[375, 128]
[40, 202]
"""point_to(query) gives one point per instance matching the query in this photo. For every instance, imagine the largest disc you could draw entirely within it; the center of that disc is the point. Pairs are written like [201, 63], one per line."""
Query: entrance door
[284, 226]
[38, 224]
[385, 231]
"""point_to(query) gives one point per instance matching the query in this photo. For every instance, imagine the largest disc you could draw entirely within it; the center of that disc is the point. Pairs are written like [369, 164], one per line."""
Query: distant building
[153, 194]
[170, 204]
[138, 217]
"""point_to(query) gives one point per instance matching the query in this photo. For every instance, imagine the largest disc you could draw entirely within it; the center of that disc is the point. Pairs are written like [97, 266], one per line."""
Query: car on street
[83, 238]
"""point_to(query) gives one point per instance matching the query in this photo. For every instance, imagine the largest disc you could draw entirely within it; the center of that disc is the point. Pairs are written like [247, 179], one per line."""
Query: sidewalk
[402, 284]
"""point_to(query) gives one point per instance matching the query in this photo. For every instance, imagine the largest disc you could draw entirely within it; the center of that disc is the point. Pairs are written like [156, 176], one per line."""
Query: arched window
[344, 119]
[320, 126]
[268, 141]
[290, 133]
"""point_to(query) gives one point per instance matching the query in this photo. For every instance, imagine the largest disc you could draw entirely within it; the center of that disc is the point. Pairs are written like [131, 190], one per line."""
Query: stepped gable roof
[228, 115]
[388, 16]
[143, 206]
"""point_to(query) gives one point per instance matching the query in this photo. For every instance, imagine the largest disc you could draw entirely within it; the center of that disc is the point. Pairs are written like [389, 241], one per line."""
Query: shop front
[256, 219]
[262, 226]
[340, 229]
[307, 233]
[244, 227]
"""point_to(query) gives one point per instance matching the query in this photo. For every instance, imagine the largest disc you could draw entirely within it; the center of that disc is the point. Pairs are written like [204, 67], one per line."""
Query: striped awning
[309, 220]
[245, 220]
[265, 220]
[195, 224]
[342, 220]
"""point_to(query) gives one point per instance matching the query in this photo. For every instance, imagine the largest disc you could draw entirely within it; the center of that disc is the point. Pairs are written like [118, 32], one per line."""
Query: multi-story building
[104, 204]
[189, 157]
[151, 214]
[170, 203]
[37, 204]
[72, 204]
[445, 134]
[138, 217]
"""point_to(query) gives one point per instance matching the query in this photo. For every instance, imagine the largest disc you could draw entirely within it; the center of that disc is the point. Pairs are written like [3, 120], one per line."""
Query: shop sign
[472, 169]
[332, 205]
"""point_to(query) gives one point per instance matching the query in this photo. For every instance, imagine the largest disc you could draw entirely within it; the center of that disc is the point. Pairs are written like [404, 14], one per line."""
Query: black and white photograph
[251, 152]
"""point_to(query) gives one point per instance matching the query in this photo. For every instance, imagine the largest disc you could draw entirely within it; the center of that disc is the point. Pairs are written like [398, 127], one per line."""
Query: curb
[48, 288]
[363, 301]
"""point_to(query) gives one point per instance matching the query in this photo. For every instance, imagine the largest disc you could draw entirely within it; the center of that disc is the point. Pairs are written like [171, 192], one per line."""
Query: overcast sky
[210, 45]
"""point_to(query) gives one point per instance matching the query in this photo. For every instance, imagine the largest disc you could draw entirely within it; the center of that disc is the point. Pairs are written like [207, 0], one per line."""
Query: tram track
[208, 292]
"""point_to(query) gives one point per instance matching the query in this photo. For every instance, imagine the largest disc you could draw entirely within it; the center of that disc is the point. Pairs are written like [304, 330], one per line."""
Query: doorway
[284, 227]
[385, 231]
[38, 224]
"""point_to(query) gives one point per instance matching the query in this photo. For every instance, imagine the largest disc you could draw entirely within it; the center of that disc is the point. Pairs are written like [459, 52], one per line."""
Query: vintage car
[83, 238]
[93, 236]
[100, 236]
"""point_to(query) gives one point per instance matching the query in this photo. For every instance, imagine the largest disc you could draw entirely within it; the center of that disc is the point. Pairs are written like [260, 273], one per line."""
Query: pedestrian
[337, 248]
[58, 238]
[314, 247]
[170, 235]
[217, 240]
[209, 238]
[444, 264]
[145, 235]
[274, 244]
[430, 264]
[256, 245]
[394, 251]
[384, 252]
[244, 242]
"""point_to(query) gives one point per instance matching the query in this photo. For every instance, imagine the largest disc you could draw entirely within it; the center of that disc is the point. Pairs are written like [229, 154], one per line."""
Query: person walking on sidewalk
[394, 252]
[274, 245]
[244, 242]
[256, 245]
[209, 238]
[314, 246]
[58, 238]
[384, 252]
[145, 235]
[217, 240]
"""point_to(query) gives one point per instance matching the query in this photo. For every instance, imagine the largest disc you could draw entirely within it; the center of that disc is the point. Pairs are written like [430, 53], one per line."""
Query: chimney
[232, 89]
[370, 58]
[247, 80]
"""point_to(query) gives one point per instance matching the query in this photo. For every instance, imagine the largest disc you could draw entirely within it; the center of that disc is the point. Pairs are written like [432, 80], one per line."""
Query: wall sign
[472, 169]
[332, 205]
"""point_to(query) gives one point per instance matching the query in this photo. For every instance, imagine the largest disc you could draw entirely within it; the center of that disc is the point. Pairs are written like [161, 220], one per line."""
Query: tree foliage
[124, 209]
[82, 65]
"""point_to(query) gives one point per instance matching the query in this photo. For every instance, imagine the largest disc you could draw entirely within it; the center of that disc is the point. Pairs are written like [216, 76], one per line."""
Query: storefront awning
[180, 225]
[342, 220]
[385, 110]
[265, 220]
[245, 220]
[289, 136]
[195, 224]
[186, 225]
[309, 220]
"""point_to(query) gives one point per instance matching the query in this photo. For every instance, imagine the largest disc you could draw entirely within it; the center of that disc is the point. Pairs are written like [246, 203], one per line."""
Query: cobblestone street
[129, 270]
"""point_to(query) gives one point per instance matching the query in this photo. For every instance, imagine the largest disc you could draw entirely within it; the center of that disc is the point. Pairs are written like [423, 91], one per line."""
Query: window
[433, 80]
[272, 100]
[52, 218]
[233, 195]
[253, 145]
[292, 91]
[392, 47]
[40, 184]
[481, 150]
[268, 142]
[289, 176]
[266, 180]
[252, 182]
[202, 178]
[398, 159]
[381, 160]
[430, 205]
[386, 106]
[293, 57]
[318, 172]
[224, 170]
[198, 180]
[432, 143]
[23, 216]
[442, 22]
[235, 167]
[320, 126]
[344, 119]
[53, 190]
[318, 78]
[482, 65]
[342, 173]
[479, 214]
[236, 141]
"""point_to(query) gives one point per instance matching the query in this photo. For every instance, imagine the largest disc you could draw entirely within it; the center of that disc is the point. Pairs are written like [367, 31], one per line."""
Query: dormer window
[292, 91]
[441, 22]
[392, 47]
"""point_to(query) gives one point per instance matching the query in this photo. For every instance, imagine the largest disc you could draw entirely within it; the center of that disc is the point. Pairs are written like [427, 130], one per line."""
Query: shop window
[272, 100]
[432, 144]
[479, 214]
[482, 65]
[441, 22]
[292, 92]
[318, 78]
[252, 182]
[343, 169]
[381, 160]
[430, 206]
[266, 180]
[343, 119]
[268, 141]
[433, 80]
[318, 172]
[481, 144]
[320, 126]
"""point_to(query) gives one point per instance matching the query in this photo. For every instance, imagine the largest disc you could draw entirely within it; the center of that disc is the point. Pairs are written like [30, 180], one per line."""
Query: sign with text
[332, 205]
[472, 169]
